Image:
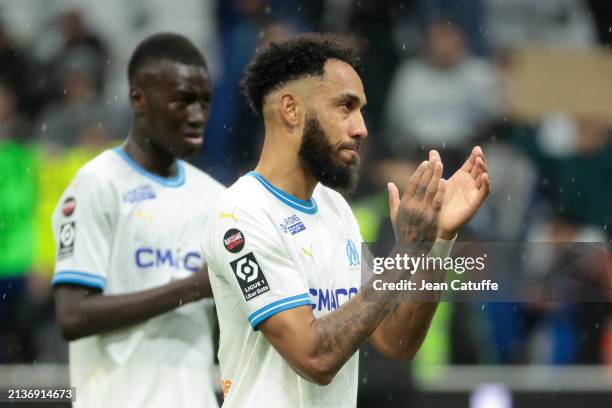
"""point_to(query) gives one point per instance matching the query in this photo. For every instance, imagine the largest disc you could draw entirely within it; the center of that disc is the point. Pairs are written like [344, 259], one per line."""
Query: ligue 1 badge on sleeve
[67, 236]
[250, 276]
[233, 240]
[68, 206]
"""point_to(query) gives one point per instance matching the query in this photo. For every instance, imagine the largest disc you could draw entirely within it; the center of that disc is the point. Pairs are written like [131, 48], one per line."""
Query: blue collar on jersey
[175, 181]
[308, 207]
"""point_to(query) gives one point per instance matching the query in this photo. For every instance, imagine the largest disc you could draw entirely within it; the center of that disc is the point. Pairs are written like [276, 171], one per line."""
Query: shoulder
[99, 171]
[239, 209]
[332, 199]
[244, 197]
[243, 202]
[335, 202]
[92, 189]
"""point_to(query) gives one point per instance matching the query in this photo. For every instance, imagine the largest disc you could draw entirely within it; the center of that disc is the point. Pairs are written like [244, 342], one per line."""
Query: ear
[137, 100]
[289, 110]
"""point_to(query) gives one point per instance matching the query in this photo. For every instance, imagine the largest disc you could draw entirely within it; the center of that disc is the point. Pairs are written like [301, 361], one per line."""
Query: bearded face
[322, 158]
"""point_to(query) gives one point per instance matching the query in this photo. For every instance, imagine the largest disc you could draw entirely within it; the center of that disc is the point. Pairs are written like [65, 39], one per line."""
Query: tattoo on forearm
[341, 333]
[415, 226]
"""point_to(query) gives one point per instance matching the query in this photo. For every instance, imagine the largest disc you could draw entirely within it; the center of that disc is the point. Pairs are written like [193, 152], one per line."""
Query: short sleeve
[244, 249]
[83, 232]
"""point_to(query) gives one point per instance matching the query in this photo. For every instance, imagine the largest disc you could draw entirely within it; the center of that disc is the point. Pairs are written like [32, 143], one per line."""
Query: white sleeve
[83, 224]
[246, 251]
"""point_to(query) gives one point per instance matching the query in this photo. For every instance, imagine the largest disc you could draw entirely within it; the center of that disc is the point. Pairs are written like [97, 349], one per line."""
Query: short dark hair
[283, 62]
[164, 46]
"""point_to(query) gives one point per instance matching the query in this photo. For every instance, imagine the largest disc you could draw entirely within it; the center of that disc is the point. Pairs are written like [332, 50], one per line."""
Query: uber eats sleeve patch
[250, 276]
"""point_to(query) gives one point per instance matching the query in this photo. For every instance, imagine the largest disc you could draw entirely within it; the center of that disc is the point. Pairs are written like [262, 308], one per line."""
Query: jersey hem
[79, 278]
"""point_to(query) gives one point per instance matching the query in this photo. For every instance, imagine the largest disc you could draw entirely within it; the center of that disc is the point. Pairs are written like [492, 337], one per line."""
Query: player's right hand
[415, 215]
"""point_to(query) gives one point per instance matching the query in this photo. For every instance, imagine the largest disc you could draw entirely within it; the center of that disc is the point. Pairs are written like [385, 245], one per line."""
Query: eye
[180, 100]
[346, 106]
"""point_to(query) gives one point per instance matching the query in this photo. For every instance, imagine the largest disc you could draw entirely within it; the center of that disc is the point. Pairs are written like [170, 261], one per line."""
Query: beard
[320, 158]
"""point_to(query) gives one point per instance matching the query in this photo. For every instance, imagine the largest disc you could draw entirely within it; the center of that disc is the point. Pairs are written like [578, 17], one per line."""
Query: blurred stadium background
[531, 81]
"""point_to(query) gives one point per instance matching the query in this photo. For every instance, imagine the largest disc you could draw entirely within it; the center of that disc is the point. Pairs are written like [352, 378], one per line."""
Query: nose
[196, 115]
[357, 128]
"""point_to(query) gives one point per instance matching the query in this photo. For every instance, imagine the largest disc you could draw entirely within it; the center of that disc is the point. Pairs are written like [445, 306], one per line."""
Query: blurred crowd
[434, 74]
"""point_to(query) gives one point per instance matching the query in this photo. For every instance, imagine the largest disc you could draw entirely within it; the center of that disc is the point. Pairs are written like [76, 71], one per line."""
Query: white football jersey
[268, 252]
[122, 229]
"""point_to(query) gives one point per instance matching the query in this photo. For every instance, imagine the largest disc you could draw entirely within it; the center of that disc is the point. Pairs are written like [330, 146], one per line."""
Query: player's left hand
[466, 190]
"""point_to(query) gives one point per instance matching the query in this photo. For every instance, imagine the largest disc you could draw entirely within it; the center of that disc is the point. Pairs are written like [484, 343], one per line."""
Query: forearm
[338, 335]
[403, 330]
[85, 314]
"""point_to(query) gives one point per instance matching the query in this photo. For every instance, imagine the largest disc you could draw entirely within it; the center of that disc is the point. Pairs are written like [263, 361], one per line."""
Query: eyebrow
[191, 91]
[353, 98]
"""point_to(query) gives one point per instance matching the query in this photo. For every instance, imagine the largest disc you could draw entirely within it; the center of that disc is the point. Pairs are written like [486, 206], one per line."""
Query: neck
[283, 168]
[138, 146]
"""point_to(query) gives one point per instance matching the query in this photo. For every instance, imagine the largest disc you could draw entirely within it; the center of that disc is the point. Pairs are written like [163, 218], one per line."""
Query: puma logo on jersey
[224, 215]
[144, 216]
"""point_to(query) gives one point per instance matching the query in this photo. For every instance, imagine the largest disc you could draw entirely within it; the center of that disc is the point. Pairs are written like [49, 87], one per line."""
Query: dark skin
[170, 103]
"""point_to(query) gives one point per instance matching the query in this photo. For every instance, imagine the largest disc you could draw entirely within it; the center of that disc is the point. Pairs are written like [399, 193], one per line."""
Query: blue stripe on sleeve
[278, 306]
[79, 278]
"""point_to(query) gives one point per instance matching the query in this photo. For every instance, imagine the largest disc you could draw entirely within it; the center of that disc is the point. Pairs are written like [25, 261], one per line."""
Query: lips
[351, 156]
[193, 134]
[351, 146]
[194, 138]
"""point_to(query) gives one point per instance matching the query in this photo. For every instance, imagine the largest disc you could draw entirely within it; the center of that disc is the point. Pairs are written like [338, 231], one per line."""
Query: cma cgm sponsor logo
[292, 224]
[330, 299]
[140, 193]
[155, 257]
[352, 254]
